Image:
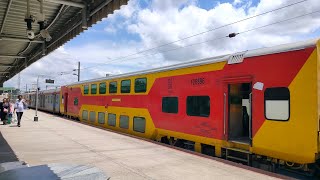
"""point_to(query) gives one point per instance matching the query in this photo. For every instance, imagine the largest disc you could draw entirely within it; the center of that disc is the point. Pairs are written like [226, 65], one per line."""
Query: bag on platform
[25, 106]
[14, 117]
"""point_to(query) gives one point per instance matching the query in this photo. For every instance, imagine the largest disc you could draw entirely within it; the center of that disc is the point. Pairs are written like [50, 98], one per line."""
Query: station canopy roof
[57, 22]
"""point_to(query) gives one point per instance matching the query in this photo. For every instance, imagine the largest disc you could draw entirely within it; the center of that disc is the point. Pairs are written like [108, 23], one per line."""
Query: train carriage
[49, 100]
[254, 106]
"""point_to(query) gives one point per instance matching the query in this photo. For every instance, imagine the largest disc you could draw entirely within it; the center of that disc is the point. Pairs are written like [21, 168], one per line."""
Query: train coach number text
[197, 81]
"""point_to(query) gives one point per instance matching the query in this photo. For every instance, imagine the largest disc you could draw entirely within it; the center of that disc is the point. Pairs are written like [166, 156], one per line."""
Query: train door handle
[224, 112]
[250, 121]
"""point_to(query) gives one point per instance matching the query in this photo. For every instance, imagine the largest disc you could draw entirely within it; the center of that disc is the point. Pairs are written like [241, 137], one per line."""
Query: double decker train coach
[259, 107]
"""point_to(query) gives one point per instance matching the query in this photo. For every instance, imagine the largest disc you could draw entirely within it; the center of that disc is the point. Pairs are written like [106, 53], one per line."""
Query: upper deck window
[140, 85]
[86, 89]
[102, 88]
[125, 86]
[93, 88]
[113, 87]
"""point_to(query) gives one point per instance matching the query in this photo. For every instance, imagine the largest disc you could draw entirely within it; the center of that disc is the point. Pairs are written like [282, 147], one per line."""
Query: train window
[170, 104]
[139, 124]
[198, 106]
[86, 89]
[102, 88]
[75, 101]
[101, 117]
[111, 119]
[113, 87]
[277, 103]
[140, 85]
[93, 88]
[124, 122]
[85, 115]
[125, 86]
[92, 116]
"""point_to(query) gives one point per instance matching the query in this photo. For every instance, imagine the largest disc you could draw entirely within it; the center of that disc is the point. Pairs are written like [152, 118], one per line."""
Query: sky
[108, 46]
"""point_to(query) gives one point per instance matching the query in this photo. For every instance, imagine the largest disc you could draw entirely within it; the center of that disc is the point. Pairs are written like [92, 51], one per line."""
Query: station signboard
[51, 81]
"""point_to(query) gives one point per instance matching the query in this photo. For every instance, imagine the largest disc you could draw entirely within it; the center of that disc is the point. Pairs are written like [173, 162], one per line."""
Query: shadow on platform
[6, 153]
[55, 171]
[42, 172]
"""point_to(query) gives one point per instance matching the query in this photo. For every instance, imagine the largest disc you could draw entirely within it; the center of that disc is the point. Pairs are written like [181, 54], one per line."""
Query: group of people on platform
[8, 109]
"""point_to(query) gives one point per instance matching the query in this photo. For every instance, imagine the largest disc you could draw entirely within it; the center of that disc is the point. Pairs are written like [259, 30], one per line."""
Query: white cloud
[155, 27]
[48, 67]
[236, 2]
[128, 10]
[110, 29]
[167, 5]
[165, 21]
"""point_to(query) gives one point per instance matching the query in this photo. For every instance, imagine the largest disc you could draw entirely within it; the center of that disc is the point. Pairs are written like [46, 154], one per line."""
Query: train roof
[49, 90]
[44, 91]
[198, 62]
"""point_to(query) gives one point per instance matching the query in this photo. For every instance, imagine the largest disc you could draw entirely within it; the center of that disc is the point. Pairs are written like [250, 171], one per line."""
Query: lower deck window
[124, 122]
[277, 103]
[85, 115]
[101, 117]
[92, 116]
[111, 119]
[139, 124]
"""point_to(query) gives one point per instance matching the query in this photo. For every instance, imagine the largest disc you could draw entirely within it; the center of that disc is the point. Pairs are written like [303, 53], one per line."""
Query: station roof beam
[61, 19]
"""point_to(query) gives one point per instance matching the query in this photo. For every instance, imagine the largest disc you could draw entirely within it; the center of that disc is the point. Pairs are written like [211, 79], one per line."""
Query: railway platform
[57, 140]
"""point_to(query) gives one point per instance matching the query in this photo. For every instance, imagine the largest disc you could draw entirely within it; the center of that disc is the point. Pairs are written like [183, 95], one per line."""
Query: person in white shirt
[19, 107]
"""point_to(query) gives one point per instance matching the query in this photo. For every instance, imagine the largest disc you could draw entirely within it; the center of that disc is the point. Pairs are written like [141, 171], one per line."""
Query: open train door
[54, 95]
[237, 120]
[65, 103]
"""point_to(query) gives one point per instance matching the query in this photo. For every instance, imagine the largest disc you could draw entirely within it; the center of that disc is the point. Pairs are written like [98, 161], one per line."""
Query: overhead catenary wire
[194, 35]
[231, 35]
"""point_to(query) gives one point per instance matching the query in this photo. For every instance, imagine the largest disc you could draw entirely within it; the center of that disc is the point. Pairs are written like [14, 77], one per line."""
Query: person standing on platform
[5, 110]
[19, 107]
[11, 111]
[1, 109]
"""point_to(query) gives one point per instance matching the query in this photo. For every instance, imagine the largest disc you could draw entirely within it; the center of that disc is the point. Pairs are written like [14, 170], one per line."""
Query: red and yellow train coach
[260, 105]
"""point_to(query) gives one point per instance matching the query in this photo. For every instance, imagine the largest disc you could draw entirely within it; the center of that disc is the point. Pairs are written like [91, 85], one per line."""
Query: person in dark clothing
[1, 109]
[5, 109]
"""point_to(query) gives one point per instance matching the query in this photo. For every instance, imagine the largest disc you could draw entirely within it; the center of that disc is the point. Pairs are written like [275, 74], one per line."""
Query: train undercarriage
[309, 171]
